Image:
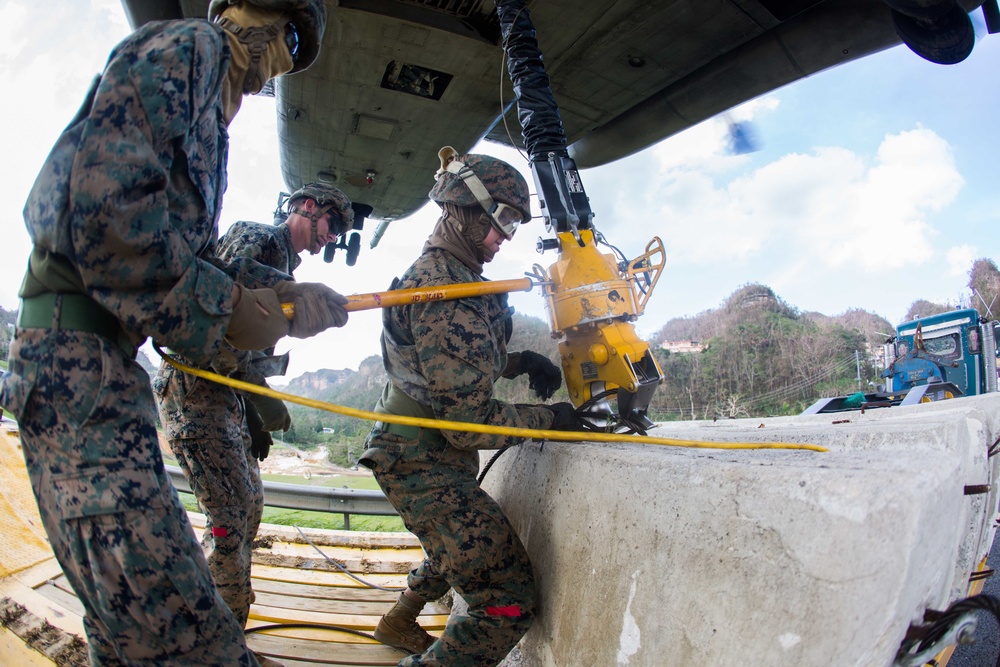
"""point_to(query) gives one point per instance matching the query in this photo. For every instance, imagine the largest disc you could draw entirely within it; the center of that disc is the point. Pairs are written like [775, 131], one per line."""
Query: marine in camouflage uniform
[123, 219]
[443, 358]
[217, 433]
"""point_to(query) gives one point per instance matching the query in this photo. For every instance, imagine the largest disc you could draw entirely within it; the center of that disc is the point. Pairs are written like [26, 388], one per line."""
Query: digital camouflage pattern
[205, 423]
[502, 181]
[146, 167]
[445, 356]
[130, 197]
[206, 427]
[112, 516]
[269, 245]
[468, 543]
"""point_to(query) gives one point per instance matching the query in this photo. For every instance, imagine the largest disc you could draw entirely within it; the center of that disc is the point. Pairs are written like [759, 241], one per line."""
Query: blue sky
[875, 185]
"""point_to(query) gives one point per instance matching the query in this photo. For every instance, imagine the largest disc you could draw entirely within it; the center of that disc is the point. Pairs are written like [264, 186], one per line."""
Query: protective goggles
[503, 217]
[292, 40]
[335, 223]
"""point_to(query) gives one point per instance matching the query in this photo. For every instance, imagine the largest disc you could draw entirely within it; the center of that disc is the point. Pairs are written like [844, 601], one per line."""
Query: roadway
[987, 646]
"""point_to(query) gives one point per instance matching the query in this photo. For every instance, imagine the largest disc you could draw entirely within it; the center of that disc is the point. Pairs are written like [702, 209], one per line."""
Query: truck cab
[946, 348]
[929, 359]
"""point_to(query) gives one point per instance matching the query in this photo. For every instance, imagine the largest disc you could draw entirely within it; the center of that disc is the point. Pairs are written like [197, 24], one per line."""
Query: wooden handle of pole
[405, 297]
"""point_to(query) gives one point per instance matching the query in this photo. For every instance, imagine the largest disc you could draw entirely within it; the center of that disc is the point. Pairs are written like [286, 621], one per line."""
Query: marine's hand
[317, 307]
[564, 418]
[272, 411]
[257, 321]
[543, 375]
[260, 439]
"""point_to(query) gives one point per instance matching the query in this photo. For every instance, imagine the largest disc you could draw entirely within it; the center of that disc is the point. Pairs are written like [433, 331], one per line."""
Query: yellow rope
[441, 424]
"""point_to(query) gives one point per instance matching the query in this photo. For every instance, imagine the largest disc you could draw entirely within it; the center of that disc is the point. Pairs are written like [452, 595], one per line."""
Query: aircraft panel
[397, 79]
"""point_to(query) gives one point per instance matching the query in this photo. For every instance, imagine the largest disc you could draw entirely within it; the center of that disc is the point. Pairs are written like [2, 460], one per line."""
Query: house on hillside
[683, 346]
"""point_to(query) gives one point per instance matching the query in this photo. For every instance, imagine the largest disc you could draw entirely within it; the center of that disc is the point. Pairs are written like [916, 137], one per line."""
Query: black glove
[260, 439]
[544, 377]
[272, 412]
[564, 418]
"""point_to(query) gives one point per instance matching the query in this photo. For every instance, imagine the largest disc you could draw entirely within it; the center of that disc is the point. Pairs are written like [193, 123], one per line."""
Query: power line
[831, 370]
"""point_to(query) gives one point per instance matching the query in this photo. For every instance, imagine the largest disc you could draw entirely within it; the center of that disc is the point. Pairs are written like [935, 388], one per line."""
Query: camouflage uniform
[443, 358]
[127, 202]
[205, 424]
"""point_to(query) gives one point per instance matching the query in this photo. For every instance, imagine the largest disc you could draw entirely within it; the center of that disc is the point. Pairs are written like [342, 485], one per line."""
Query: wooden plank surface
[284, 649]
[14, 652]
[306, 592]
[323, 592]
[327, 577]
[62, 596]
[364, 561]
[294, 585]
[43, 607]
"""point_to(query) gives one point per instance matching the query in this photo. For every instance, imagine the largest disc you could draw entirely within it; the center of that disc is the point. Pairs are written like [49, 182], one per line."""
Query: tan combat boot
[265, 661]
[399, 626]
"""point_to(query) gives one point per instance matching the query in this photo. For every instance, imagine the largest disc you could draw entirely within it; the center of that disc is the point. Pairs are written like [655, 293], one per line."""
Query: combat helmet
[473, 179]
[330, 200]
[303, 32]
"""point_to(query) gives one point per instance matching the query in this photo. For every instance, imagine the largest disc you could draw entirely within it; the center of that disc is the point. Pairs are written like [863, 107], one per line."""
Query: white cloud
[13, 38]
[960, 258]
[831, 207]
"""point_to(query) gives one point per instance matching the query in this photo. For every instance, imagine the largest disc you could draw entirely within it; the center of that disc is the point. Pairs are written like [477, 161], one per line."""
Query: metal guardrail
[311, 498]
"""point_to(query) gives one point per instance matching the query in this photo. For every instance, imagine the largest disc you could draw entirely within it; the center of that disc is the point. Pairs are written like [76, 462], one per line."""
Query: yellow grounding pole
[440, 424]
[406, 297]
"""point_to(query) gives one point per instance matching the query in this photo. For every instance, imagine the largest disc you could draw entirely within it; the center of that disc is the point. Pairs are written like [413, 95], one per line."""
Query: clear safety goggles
[505, 219]
[292, 40]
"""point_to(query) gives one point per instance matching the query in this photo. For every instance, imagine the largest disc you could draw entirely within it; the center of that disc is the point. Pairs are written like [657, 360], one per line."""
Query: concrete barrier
[650, 556]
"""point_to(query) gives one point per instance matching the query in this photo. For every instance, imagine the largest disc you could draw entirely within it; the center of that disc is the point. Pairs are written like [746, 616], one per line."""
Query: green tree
[984, 283]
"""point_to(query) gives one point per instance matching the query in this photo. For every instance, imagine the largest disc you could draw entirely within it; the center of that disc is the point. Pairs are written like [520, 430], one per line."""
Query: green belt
[403, 431]
[78, 312]
[408, 432]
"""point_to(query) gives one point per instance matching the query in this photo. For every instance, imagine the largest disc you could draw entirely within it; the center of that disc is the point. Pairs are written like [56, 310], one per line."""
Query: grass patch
[305, 519]
[366, 482]
[328, 520]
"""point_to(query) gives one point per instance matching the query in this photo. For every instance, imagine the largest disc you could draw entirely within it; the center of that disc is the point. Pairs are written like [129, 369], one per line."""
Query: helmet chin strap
[313, 218]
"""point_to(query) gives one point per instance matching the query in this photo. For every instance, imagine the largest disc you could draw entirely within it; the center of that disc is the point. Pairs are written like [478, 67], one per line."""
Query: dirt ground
[286, 460]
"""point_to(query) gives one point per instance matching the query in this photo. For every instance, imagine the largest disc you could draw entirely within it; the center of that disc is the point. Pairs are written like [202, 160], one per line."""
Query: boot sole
[392, 641]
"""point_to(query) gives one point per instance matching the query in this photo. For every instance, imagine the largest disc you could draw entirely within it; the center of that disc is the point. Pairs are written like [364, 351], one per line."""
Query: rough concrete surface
[652, 555]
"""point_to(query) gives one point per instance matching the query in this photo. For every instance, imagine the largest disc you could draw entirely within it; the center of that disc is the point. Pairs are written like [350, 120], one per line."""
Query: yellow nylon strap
[441, 424]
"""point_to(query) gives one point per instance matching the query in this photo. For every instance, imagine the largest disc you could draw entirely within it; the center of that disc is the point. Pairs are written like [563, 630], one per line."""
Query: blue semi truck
[930, 359]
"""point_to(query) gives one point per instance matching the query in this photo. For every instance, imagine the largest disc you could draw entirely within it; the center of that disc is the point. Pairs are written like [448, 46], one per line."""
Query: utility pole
[857, 362]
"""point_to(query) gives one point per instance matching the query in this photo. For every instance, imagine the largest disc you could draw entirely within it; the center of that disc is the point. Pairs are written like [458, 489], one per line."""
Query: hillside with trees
[761, 356]
[7, 318]
[360, 390]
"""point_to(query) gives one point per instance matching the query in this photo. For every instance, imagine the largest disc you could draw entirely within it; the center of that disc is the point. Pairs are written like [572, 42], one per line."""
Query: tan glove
[257, 321]
[317, 307]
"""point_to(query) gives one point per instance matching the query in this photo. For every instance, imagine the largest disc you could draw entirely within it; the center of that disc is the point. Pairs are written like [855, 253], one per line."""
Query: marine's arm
[139, 224]
[251, 255]
[456, 351]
